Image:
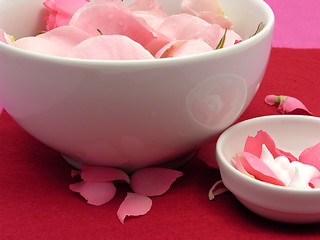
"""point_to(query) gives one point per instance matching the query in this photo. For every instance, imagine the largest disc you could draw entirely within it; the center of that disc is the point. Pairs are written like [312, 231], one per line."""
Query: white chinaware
[290, 133]
[131, 114]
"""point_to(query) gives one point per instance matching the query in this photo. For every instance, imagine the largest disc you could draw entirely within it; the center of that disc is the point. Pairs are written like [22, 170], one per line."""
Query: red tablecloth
[36, 203]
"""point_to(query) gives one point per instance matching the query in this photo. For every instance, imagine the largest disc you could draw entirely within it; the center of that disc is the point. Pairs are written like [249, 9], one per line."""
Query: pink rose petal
[97, 193]
[315, 182]
[5, 38]
[134, 205]
[150, 6]
[153, 181]
[39, 45]
[311, 156]
[66, 37]
[286, 104]
[254, 145]
[112, 18]
[102, 174]
[217, 189]
[182, 26]
[110, 47]
[256, 167]
[207, 154]
[209, 10]
[183, 48]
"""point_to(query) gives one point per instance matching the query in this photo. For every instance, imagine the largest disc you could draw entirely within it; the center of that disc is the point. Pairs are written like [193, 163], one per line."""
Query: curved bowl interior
[290, 133]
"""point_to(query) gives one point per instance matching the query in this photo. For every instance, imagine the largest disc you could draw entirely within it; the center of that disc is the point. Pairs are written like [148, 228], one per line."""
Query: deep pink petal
[311, 156]
[153, 181]
[217, 189]
[253, 145]
[134, 205]
[95, 193]
[102, 174]
[286, 104]
[256, 167]
[110, 47]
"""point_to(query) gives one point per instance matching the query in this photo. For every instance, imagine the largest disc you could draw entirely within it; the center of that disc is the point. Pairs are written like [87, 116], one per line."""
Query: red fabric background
[36, 203]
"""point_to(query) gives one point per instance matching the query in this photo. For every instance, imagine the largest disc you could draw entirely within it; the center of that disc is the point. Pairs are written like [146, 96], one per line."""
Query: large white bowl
[131, 114]
[290, 133]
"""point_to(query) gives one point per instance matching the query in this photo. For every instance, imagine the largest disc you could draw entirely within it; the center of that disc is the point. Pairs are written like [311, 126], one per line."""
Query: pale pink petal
[208, 10]
[315, 182]
[311, 156]
[110, 47]
[183, 48]
[150, 6]
[66, 37]
[5, 37]
[217, 189]
[39, 45]
[112, 19]
[286, 104]
[253, 145]
[95, 193]
[256, 167]
[102, 174]
[134, 205]
[153, 181]
[240, 167]
[182, 26]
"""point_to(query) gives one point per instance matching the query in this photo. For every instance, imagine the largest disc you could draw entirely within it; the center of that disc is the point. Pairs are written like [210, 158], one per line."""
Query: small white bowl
[131, 114]
[290, 133]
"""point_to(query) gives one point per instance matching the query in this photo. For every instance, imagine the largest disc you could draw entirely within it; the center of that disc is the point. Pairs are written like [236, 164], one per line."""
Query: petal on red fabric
[311, 156]
[254, 145]
[286, 104]
[66, 37]
[134, 205]
[256, 167]
[153, 181]
[207, 154]
[95, 193]
[102, 174]
[217, 189]
[183, 48]
[110, 47]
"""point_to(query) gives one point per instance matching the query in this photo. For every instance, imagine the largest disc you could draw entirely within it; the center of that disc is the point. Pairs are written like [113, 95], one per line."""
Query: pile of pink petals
[98, 187]
[113, 30]
[262, 160]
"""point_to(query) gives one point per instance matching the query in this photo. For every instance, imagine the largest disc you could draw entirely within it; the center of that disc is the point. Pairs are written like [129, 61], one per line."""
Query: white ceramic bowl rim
[258, 183]
[268, 26]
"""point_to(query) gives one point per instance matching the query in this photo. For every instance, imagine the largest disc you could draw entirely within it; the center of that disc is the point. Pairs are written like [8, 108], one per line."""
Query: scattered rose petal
[102, 174]
[311, 156]
[110, 47]
[96, 193]
[207, 154]
[286, 104]
[254, 145]
[256, 167]
[134, 205]
[153, 181]
[217, 189]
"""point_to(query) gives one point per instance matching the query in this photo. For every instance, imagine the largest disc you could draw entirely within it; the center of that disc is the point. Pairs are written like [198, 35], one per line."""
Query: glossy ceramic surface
[131, 114]
[290, 133]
